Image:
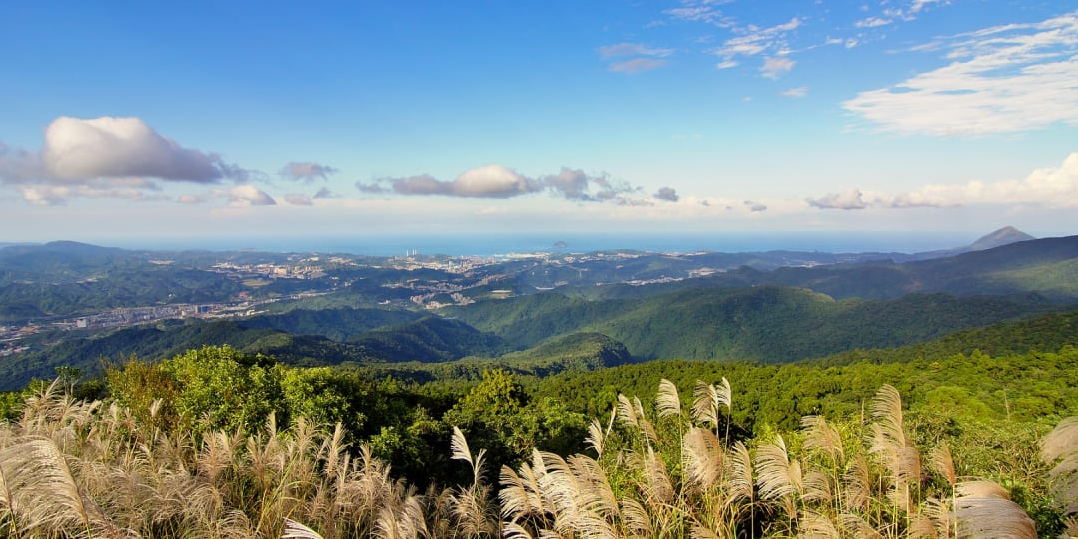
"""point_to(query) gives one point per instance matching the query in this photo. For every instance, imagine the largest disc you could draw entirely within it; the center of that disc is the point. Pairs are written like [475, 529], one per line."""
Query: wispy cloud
[325, 193]
[297, 199]
[754, 41]
[798, 92]
[648, 57]
[636, 65]
[872, 22]
[704, 11]
[774, 68]
[633, 49]
[1003, 79]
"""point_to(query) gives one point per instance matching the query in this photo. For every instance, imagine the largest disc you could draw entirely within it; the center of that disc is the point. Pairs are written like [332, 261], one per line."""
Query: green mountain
[430, 340]
[1047, 266]
[764, 323]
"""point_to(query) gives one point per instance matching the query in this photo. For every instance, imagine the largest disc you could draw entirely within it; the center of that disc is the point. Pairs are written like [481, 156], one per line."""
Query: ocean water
[491, 244]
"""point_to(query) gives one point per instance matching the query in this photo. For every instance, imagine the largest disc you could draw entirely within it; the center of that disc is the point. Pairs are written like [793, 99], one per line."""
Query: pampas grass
[74, 469]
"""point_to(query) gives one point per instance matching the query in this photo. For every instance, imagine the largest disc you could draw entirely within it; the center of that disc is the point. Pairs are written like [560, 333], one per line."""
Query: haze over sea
[495, 244]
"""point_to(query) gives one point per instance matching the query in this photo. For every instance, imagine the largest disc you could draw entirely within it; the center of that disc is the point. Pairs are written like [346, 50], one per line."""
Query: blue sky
[145, 120]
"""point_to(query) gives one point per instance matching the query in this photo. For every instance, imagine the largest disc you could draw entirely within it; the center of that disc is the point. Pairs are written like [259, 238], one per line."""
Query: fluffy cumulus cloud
[76, 149]
[108, 158]
[494, 181]
[666, 193]
[1003, 79]
[497, 181]
[1051, 187]
[307, 171]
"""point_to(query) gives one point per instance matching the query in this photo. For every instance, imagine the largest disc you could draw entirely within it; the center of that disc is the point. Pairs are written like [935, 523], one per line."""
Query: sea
[500, 244]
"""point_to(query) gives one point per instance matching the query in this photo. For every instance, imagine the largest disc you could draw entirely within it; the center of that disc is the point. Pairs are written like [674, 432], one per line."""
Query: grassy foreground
[72, 468]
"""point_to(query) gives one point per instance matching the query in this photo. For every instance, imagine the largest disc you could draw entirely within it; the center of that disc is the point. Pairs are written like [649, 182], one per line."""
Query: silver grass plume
[983, 510]
[459, 445]
[521, 495]
[295, 530]
[702, 458]
[813, 525]
[708, 398]
[777, 475]
[740, 483]
[667, 402]
[1060, 448]
[823, 437]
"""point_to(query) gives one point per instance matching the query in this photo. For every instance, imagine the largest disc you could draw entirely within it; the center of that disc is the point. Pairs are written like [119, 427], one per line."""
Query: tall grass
[75, 469]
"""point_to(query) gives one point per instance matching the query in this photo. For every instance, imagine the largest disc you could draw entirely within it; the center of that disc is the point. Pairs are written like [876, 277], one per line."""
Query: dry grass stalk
[667, 402]
[1060, 448]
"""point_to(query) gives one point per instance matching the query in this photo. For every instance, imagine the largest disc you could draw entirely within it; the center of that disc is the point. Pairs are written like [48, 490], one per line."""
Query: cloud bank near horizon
[497, 181]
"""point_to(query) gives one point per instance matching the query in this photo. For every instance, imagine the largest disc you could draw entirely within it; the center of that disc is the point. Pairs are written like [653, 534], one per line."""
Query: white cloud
[107, 147]
[755, 41]
[108, 158]
[851, 199]
[774, 68]
[1053, 187]
[56, 195]
[872, 22]
[1003, 79]
[497, 181]
[1049, 187]
[242, 196]
[918, 5]
[493, 181]
[800, 91]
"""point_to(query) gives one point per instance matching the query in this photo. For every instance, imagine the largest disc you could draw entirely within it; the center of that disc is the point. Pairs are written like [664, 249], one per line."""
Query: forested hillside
[766, 323]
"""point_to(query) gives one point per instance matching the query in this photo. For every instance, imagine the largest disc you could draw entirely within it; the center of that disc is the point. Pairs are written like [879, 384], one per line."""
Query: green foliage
[1034, 386]
[223, 389]
[499, 415]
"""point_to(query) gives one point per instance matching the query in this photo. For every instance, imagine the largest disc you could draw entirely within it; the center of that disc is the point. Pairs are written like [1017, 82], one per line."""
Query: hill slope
[765, 323]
